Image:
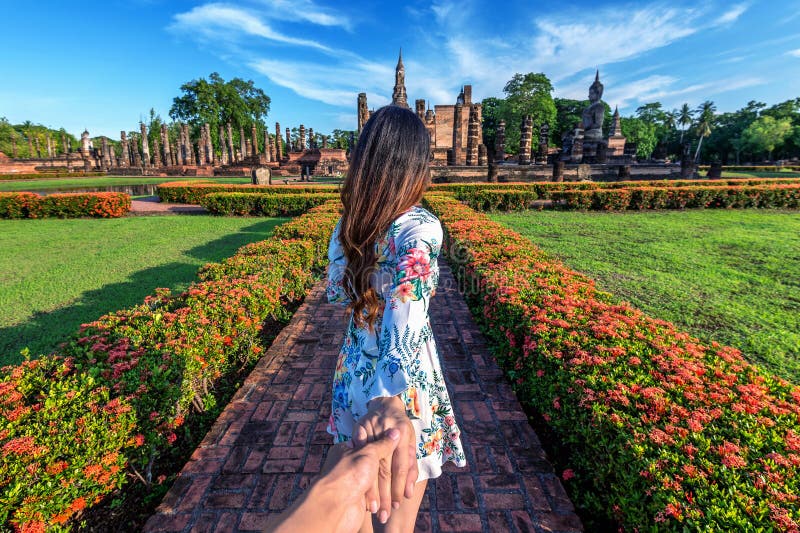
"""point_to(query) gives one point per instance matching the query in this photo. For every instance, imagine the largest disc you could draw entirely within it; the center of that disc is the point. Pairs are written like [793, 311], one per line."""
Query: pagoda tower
[399, 94]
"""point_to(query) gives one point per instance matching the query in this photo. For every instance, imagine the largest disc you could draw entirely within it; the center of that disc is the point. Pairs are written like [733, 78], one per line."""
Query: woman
[383, 266]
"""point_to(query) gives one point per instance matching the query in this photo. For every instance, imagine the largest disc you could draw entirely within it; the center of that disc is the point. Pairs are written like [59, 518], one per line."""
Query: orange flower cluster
[665, 432]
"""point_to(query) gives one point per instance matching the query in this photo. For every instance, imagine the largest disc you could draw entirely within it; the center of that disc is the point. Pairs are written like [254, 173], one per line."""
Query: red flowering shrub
[159, 364]
[72, 205]
[262, 204]
[664, 433]
[191, 192]
[762, 196]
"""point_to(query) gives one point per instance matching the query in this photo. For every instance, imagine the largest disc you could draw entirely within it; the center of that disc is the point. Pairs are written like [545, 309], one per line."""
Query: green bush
[192, 192]
[261, 204]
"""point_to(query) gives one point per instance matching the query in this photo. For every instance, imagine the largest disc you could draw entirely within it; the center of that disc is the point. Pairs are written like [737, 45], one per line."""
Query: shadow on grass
[43, 332]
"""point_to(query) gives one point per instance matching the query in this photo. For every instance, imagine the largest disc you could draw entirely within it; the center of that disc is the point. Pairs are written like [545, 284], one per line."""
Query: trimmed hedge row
[44, 175]
[78, 424]
[637, 198]
[263, 204]
[499, 199]
[663, 432]
[544, 189]
[192, 192]
[68, 205]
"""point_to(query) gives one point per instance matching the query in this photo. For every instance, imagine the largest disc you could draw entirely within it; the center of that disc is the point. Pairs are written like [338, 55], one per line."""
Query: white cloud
[307, 10]
[732, 15]
[795, 53]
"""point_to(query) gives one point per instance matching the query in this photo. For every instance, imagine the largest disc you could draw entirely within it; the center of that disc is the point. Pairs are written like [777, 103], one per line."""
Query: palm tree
[685, 116]
[705, 120]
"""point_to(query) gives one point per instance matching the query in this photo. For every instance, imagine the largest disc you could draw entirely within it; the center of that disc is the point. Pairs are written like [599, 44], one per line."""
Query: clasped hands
[372, 472]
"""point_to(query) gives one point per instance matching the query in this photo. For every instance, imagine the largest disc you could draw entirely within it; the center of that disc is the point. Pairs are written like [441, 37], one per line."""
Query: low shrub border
[760, 196]
[69, 205]
[79, 424]
[192, 192]
[45, 175]
[262, 204]
[663, 433]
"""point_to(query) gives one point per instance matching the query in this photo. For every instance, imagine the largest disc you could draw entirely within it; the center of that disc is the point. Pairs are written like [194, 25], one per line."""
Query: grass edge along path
[724, 275]
[661, 432]
[81, 425]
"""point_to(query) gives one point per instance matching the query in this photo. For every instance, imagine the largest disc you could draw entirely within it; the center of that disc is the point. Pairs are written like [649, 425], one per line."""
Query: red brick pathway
[270, 441]
[151, 205]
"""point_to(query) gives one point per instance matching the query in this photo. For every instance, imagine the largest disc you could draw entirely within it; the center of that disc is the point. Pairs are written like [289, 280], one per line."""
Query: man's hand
[336, 501]
[397, 474]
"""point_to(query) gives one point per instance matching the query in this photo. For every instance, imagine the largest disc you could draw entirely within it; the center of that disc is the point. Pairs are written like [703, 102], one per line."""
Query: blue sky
[103, 65]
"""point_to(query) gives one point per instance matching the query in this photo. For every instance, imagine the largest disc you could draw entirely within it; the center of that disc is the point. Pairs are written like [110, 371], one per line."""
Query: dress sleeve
[405, 326]
[336, 267]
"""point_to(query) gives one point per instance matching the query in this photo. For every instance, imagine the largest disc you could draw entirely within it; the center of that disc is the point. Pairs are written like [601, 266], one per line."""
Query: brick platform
[270, 441]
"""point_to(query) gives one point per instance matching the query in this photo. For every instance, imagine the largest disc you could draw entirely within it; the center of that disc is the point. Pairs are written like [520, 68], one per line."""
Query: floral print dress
[402, 360]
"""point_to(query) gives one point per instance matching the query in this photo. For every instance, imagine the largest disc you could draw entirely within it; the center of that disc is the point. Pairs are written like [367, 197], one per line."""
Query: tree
[766, 133]
[641, 132]
[526, 94]
[705, 121]
[217, 101]
[685, 118]
[491, 112]
[341, 138]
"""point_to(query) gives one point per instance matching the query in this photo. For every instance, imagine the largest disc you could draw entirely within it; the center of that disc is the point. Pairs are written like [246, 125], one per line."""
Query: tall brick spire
[399, 95]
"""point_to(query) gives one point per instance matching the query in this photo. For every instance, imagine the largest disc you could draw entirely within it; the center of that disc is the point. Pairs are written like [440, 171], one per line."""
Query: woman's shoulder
[418, 221]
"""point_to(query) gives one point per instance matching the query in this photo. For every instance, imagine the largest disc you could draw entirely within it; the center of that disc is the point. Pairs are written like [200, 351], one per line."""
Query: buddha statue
[594, 114]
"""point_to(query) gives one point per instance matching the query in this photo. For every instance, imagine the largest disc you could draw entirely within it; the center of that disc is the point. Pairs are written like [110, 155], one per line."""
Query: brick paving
[270, 441]
[151, 205]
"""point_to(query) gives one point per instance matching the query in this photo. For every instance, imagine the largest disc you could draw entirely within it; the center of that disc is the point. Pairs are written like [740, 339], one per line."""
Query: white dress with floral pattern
[402, 360]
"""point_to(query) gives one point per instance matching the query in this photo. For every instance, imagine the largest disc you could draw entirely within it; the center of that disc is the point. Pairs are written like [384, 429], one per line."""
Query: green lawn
[56, 183]
[58, 274]
[758, 174]
[727, 275]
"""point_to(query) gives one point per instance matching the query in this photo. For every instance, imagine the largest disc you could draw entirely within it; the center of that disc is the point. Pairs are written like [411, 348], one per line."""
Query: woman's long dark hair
[388, 175]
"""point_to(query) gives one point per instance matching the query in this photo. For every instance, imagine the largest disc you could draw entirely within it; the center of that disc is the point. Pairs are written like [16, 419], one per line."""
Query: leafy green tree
[341, 138]
[492, 114]
[767, 133]
[685, 119]
[568, 115]
[217, 101]
[526, 94]
[642, 133]
[705, 122]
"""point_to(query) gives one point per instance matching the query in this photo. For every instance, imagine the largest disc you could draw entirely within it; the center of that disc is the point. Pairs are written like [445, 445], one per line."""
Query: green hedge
[662, 432]
[263, 204]
[68, 205]
[110, 404]
[192, 192]
[637, 198]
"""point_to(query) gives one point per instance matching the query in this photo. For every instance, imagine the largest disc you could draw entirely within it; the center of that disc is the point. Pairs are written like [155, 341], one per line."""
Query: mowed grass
[57, 274]
[121, 181]
[727, 275]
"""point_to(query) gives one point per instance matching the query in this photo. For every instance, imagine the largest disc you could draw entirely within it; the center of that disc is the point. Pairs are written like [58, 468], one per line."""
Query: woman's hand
[398, 474]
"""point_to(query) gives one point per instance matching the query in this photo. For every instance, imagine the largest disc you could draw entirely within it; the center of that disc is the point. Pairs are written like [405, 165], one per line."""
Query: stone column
[544, 141]
[491, 175]
[278, 147]
[48, 145]
[38, 148]
[457, 146]
[267, 146]
[254, 141]
[525, 141]
[106, 157]
[137, 157]
[248, 146]
[209, 145]
[145, 146]
[189, 145]
[64, 143]
[231, 148]
[500, 142]
[482, 155]
[324, 142]
[112, 154]
[165, 142]
[156, 152]
[123, 156]
[288, 140]
[302, 137]
[243, 142]
[363, 112]
[558, 170]
[223, 150]
[472, 137]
